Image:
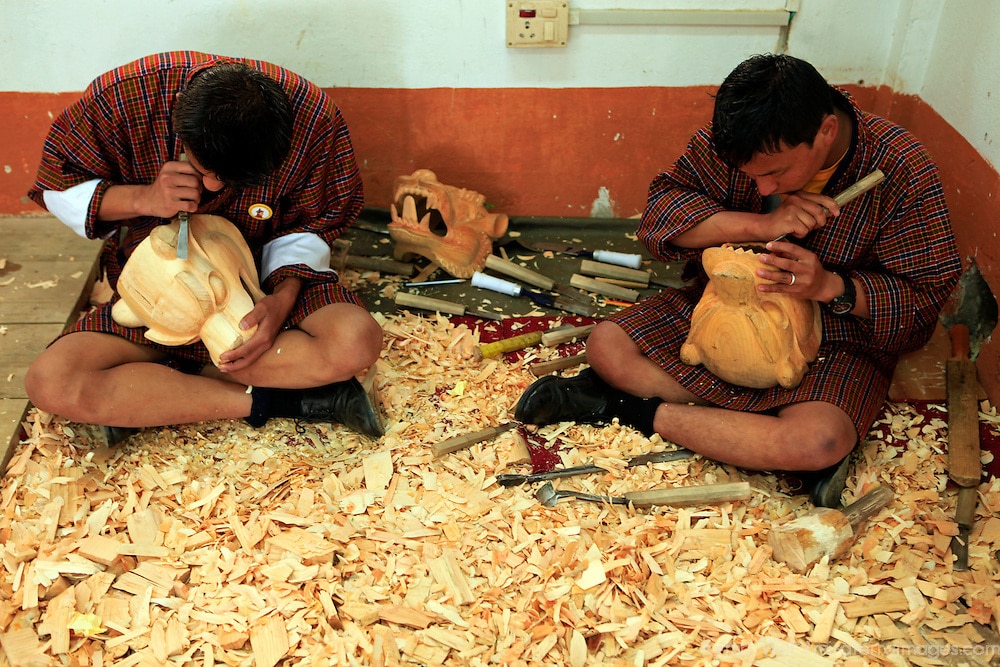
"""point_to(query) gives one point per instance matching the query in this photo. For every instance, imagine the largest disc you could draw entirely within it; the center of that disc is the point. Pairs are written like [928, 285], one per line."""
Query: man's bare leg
[803, 436]
[103, 379]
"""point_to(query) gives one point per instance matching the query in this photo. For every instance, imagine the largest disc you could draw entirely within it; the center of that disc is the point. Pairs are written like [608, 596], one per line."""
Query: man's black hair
[768, 103]
[236, 121]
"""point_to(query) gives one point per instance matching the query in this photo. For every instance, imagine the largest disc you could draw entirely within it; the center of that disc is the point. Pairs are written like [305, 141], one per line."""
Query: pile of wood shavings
[309, 545]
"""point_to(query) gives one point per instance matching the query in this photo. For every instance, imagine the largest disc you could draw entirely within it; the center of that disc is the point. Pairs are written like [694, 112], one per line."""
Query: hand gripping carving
[750, 338]
[446, 224]
[204, 296]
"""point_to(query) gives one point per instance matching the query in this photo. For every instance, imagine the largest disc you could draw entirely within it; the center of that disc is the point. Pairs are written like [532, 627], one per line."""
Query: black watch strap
[843, 305]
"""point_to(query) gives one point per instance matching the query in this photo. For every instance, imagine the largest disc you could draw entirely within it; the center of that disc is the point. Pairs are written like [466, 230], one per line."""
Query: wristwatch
[844, 304]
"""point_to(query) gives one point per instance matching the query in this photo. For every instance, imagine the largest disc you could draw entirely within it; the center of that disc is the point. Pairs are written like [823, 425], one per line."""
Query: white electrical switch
[537, 23]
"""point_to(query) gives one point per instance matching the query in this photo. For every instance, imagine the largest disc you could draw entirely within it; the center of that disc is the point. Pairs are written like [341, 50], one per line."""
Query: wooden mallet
[802, 542]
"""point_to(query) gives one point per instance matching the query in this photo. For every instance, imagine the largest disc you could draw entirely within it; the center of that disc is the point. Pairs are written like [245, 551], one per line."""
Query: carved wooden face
[448, 225]
[183, 300]
[750, 338]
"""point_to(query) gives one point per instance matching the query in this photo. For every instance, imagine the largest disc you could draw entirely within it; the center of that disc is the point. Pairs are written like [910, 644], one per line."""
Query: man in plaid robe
[781, 143]
[268, 151]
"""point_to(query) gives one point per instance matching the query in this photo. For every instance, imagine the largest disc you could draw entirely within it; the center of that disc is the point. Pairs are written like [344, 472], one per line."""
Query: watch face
[841, 307]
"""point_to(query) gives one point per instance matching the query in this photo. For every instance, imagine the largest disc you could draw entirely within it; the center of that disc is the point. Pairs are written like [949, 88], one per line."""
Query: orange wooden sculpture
[202, 297]
[750, 338]
[448, 225]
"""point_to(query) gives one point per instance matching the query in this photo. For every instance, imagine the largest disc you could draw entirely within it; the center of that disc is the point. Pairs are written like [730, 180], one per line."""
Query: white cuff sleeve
[71, 205]
[300, 248]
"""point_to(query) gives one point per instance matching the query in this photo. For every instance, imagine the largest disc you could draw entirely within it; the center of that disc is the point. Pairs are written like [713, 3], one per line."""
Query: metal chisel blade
[182, 236]
[182, 232]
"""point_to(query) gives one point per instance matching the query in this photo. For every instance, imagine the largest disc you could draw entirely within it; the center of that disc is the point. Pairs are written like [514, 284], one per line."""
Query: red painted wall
[549, 151]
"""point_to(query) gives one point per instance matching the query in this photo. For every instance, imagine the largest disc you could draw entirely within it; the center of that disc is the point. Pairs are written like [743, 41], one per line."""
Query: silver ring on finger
[792, 280]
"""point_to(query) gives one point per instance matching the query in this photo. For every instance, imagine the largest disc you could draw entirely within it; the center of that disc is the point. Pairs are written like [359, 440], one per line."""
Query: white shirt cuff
[300, 248]
[71, 205]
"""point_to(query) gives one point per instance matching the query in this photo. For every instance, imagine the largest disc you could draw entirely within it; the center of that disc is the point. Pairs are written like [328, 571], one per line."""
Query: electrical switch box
[535, 23]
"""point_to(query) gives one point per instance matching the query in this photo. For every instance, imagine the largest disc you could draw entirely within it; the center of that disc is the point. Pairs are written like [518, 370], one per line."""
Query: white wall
[942, 51]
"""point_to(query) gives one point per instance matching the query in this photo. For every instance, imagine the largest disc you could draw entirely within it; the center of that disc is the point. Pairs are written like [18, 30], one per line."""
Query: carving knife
[853, 192]
[507, 479]
[182, 232]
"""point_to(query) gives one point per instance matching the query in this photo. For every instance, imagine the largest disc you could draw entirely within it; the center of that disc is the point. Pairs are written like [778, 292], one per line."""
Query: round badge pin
[260, 212]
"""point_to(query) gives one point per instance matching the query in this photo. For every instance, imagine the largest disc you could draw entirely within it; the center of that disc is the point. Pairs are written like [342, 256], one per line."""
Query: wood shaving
[305, 544]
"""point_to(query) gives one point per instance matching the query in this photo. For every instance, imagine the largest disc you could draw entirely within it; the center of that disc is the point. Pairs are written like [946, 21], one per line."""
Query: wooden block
[606, 289]
[447, 572]
[887, 601]
[604, 270]
[378, 471]
[100, 549]
[310, 547]
[269, 640]
[407, 616]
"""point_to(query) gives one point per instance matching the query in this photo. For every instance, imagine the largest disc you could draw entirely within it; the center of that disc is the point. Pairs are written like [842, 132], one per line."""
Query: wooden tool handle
[680, 496]
[592, 268]
[545, 367]
[964, 467]
[513, 344]
[408, 300]
[859, 188]
[467, 440]
[555, 337]
[509, 268]
[596, 286]
[868, 505]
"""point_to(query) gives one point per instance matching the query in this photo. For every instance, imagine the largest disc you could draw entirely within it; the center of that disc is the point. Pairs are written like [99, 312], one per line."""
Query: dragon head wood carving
[750, 338]
[446, 224]
[202, 297]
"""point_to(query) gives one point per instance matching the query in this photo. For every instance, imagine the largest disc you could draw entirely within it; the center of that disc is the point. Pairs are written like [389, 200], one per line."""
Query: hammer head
[547, 495]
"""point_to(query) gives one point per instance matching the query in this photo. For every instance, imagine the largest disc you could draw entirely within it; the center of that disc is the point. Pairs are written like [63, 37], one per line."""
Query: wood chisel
[502, 286]
[964, 467]
[408, 300]
[526, 275]
[851, 193]
[182, 232]
[678, 496]
[468, 439]
[507, 479]
[629, 260]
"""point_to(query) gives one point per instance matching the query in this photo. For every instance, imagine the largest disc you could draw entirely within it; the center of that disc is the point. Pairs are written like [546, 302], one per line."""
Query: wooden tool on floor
[468, 439]
[408, 300]
[963, 439]
[678, 496]
[502, 286]
[802, 542]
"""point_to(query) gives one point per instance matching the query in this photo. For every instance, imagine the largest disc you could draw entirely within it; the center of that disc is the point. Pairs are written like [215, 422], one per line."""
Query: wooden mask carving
[750, 338]
[448, 225]
[181, 300]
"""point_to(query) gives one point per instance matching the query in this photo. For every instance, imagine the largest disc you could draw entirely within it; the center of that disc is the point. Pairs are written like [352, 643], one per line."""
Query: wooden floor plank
[18, 347]
[46, 277]
[43, 238]
[12, 412]
[45, 291]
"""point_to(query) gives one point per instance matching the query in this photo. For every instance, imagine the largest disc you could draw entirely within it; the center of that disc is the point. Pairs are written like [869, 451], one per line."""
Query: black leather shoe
[118, 434]
[828, 484]
[344, 403]
[583, 398]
